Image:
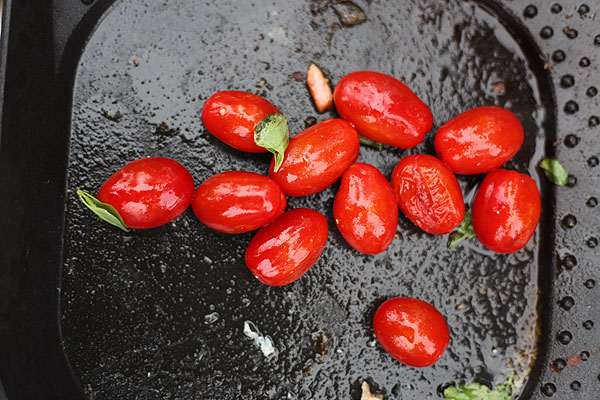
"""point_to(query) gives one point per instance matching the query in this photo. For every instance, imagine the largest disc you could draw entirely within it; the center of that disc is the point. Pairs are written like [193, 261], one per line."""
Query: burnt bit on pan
[320, 345]
[163, 129]
[349, 13]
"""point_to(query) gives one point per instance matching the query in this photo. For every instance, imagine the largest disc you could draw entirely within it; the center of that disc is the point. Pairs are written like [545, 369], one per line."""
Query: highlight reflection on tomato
[149, 192]
[428, 193]
[238, 201]
[365, 209]
[412, 331]
[506, 210]
[284, 250]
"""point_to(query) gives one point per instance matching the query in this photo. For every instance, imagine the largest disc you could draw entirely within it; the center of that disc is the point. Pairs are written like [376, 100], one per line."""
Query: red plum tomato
[284, 250]
[479, 140]
[365, 209]
[428, 193]
[317, 157]
[382, 109]
[238, 201]
[231, 116]
[506, 210]
[149, 192]
[412, 331]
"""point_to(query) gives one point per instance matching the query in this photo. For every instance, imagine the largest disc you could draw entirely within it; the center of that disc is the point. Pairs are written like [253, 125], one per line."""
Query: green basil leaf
[371, 143]
[464, 230]
[555, 171]
[103, 210]
[273, 133]
[477, 391]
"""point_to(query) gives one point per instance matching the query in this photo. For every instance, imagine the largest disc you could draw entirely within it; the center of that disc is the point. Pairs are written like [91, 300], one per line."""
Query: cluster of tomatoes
[153, 191]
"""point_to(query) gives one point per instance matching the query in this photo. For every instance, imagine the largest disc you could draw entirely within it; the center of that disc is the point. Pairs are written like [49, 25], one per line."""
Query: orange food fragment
[319, 88]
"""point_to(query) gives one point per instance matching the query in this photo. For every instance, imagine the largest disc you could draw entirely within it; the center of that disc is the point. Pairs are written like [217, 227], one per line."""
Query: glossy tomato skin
[506, 210]
[149, 192]
[317, 157]
[412, 331]
[382, 109]
[284, 250]
[479, 140]
[428, 193]
[365, 209]
[232, 115]
[238, 201]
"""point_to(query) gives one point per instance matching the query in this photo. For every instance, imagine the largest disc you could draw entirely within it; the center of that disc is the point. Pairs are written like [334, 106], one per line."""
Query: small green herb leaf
[103, 210]
[371, 143]
[464, 231]
[555, 171]
[476, 391]
[273, 133]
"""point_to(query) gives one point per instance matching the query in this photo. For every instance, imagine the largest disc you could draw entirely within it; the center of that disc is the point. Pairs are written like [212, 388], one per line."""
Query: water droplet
[592, 161]
[571, 181]
[546, 32]
[569, 261]
[590, 283]
[588, 324]
[571, 140]
[584, 62]
[569, 221]
[591, 91]
[591, 202]
[564, 337]
[530, 11]
[585, 355]
[556, 8]
[558, 56]
[592, 242]
[597, 40]
[548, 389]
[567, 303]
[567, 81]
[575, 386]
[559, 364]
[571, 107]
[593, 121]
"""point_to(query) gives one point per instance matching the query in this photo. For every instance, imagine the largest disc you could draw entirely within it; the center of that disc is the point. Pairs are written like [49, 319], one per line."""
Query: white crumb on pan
[263, 342]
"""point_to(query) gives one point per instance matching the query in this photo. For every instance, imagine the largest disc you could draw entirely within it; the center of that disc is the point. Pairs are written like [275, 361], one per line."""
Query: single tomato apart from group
[382, 108]
[238, 201]
[428, 193]
[365, 209]
[479, 140]
[412, 331]
[287, 248]
[506, 210]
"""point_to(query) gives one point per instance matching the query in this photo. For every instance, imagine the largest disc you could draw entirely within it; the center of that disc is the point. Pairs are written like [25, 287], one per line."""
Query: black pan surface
[161, 313]
[87, 311]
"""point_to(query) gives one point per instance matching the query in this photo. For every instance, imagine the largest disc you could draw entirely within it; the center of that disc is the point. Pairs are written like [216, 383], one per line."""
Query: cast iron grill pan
[161, 313]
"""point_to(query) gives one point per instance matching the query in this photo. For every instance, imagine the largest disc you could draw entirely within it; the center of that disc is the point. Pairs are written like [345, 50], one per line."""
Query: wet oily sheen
[365, 209]
[428, 193]
[149, 192]
[479, 140]
[317, 157]
[382, 108]
[284, 250]
[231, 116]
[238, 201]
[506, 210]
